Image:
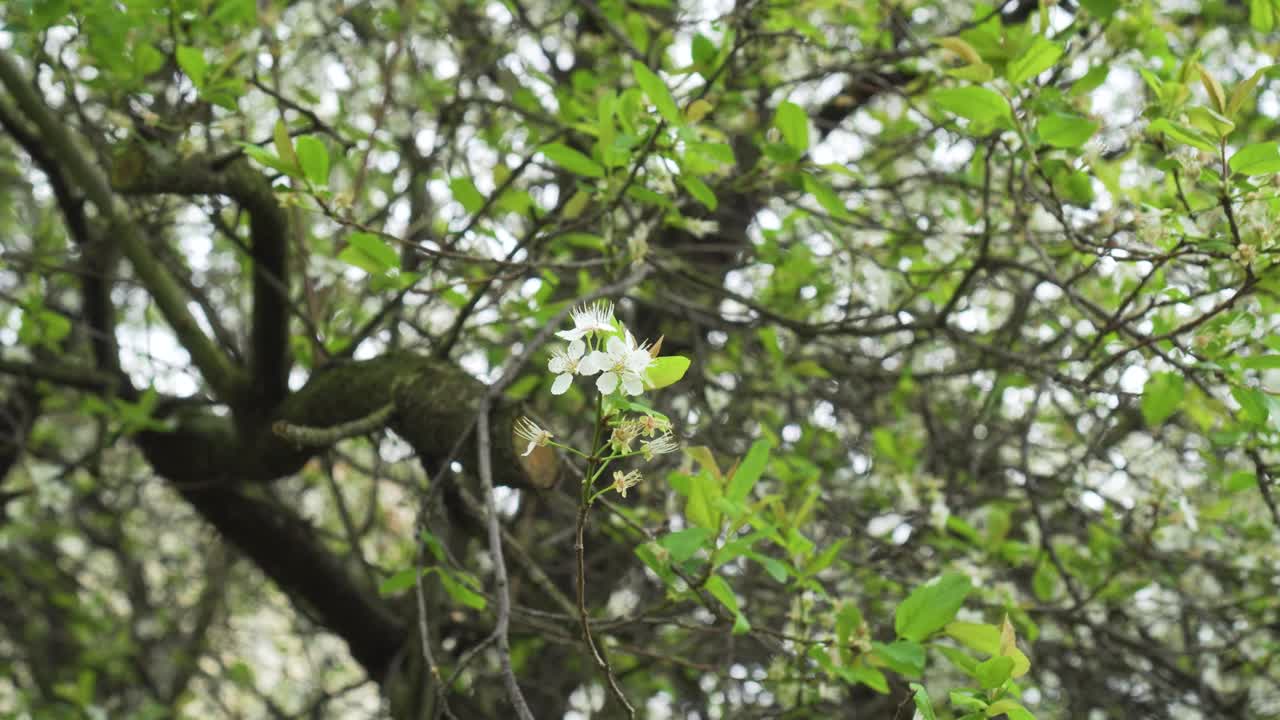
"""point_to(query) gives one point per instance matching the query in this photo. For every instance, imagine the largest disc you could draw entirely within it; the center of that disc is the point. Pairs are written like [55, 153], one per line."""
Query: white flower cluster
[621, 364]
[600, 345]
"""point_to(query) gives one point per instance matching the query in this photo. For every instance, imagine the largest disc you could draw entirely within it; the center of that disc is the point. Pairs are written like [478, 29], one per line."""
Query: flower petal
[593, 363]
[561, 384]
[573, 334]
[631, 383]
[616, 347]
[607, 383]
[558, 364]
[576, 349]
[638, 360]
[529, 449]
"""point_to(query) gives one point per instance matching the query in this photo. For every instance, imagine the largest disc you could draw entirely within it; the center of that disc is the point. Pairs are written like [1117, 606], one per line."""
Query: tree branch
[226, 380]
[269, 240]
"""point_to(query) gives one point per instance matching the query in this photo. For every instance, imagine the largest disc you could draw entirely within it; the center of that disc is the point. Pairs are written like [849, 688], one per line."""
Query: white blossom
[1188, 514]
[623, 362]
[566, 363]
[594, 318]
[622, 481]
[651, 424]
[701, 228]
[527, 429]
[659, 446]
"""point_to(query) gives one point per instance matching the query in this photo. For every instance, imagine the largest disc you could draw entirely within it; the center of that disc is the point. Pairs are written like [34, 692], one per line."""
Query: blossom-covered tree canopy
[639, 358]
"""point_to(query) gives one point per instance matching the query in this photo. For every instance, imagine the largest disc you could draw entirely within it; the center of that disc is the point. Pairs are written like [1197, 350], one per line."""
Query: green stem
[595, 466]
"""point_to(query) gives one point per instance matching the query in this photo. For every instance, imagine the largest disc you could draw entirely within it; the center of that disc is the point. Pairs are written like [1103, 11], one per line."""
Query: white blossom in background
[944, 247]
[1188, 514]
[701, 228]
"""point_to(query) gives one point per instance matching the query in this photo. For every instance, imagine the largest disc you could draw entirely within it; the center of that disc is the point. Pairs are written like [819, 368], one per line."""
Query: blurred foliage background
[971, 292]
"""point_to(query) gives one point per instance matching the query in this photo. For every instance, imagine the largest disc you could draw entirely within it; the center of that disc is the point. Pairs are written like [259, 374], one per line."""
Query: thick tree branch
[429, 403]
[99, 255]
[226, 380]
[269, 239]
[81, 378]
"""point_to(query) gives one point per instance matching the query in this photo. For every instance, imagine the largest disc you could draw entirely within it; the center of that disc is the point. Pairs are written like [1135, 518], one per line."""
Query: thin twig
[580, 551]
[499, 566]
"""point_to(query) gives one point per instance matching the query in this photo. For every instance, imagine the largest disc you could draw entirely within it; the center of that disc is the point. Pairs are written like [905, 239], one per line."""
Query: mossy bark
[215, 461]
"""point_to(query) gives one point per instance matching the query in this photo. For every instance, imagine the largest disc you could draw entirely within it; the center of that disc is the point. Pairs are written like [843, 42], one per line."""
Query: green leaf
[1210, 121]
[284, 148]
[869, 676]
[698, 109]
[1257, 159]
[241, 674]
[848, 620]
[824, 559]
[993, 673]
[793, 123]
[1183, 134]
[1091, 81]
[721, 591]
[979, 73]
[962, 661]
[1245, 89]
[1101, 8]
[1161, 397]
[314, 159]
[974, 103]
[1252, 403]
[1065, 131]
[572, 160]
[931, 606]
[465, 192]
[684, 543]
[657, 92]
[1261, 362]
[192, 62]
[1011, 709]
[660, 565]
[966, 699]
[666, 370]
[370, 253]
[1262, 15]
[43, 327]
[776, 569]
[433, 545]
[961, 48]
[1240, 481]
[458, 590]
[825, 196]
[271, 161]
[576, 204]
[1044, 583]
[1041, 56]
[748, 472]
[903, 657]
[703, 492]
[704, 51]
[987, 639]
[700, 191]
[398, 583]
[1214, 88]
[923, 704]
